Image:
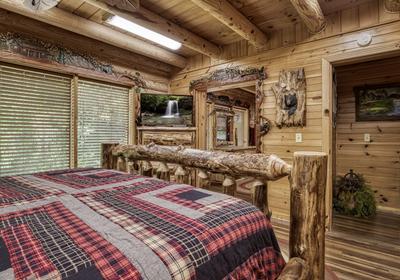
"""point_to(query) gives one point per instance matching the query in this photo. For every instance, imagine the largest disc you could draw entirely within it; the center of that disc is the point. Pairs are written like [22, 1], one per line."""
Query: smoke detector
[40, 5]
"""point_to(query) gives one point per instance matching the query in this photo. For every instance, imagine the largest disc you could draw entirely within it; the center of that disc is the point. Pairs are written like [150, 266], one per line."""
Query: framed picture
[378, 102]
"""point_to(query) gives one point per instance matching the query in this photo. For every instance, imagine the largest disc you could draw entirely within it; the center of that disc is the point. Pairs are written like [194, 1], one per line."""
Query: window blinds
[34, 121]
[102, 118]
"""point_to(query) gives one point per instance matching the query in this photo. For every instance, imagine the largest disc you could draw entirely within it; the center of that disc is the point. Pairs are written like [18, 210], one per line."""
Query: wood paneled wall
[302, 50]
[378, 160]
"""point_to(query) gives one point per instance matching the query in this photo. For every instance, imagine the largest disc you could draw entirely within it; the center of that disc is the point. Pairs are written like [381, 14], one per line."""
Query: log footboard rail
[307, 178]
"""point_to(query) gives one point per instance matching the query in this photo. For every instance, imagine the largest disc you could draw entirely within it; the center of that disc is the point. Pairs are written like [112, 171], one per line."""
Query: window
[102, 118]
[34, 120]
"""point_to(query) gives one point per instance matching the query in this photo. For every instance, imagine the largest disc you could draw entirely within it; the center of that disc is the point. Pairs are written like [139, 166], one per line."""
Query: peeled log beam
[307, 210]
[223, 11]
[268, 167]
[392, 6]
[60, 18]
[311, 14]
[163, 26]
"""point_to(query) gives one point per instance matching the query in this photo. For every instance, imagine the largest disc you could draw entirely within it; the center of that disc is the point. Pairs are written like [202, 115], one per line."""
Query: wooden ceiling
[198, 27]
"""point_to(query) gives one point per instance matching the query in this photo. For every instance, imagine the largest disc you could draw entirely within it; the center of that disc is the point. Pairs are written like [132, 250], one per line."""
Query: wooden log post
[259, 196]
[307, 210]
[122, 164]
[295, 269]
[146, 169]
[108, 161]
[203, 179]
[162, 171]
[130, 166]
[229, 185]
[181, 176]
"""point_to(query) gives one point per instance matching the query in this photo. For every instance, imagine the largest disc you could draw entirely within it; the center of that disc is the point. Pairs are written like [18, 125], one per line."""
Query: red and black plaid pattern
[51, 242]
[85, 177]
[200, 241]
[19, 189]
[265, 264]
[173, 196]
[26, 254]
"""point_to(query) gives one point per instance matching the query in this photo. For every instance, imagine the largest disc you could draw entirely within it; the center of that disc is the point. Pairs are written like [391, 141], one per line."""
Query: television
[166, 110]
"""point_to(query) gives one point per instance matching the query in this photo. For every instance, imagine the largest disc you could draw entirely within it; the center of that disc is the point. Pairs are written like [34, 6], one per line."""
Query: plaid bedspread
[104, 224]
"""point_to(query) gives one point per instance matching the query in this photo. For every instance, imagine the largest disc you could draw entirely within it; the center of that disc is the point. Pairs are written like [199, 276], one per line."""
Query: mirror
[231, 118]
[235, 89]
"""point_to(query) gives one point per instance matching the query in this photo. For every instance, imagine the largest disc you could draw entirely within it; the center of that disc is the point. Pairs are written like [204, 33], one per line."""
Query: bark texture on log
[146, 169]
[392, 6]
[290, 95]
[307, 208]
[311, 14]
[203, 179]
[229, 185]
[181, 175]
[107, 160]
[162, 171]
[259, 196]
[268, 167]
[295, 269]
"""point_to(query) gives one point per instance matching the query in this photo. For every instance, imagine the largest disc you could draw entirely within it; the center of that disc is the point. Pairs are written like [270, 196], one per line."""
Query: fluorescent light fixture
[141, 31]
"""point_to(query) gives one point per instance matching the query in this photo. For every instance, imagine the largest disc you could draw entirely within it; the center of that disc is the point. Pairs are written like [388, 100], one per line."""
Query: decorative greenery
[353, 196]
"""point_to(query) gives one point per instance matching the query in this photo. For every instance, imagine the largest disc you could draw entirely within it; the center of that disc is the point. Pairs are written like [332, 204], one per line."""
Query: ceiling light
[144, 32]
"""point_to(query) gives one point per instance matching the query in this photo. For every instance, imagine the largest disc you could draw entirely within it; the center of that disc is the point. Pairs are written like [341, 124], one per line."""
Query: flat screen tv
[166, 110]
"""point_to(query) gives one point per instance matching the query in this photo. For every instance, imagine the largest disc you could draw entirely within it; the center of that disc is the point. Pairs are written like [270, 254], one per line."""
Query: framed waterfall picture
[377, 102]
[166, 110]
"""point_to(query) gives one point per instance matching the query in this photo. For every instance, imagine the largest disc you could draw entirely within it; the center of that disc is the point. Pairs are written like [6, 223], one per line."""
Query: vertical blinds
[102, 118]
[34, 121]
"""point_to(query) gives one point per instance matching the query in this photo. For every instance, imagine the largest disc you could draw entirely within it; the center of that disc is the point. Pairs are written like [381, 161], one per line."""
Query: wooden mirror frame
[227, 77]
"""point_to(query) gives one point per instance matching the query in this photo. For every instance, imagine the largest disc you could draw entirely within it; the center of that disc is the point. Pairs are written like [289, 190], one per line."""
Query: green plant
[353, 196]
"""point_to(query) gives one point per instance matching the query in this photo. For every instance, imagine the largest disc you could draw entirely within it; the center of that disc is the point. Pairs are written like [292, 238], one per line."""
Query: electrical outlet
[299, 138]
[367, 137]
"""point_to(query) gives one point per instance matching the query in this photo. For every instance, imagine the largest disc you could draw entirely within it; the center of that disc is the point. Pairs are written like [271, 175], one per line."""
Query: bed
[102, 223]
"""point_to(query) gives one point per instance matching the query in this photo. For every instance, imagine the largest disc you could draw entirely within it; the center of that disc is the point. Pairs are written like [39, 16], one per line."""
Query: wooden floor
[357, 248]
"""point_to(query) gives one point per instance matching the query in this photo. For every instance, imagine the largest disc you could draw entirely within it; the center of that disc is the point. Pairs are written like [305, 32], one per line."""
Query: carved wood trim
[36, 50]
[230, 75]
[290, 95]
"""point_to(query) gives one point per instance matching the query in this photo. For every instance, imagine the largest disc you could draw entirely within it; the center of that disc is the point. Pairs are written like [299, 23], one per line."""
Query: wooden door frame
[327, 65]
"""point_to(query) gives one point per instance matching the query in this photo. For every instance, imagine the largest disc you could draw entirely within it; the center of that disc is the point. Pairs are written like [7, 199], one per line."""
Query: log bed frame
[307, 177]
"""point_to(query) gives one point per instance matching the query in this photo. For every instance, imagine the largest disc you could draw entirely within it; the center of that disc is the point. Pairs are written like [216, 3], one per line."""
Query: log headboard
[307, 179]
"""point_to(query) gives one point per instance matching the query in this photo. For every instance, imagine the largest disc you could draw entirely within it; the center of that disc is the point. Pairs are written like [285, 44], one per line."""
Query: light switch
[299, 138]
[367, 137]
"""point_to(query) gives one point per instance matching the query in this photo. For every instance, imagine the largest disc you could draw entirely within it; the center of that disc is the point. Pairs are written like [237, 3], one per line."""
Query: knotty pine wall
[293, 48]
[379, 160]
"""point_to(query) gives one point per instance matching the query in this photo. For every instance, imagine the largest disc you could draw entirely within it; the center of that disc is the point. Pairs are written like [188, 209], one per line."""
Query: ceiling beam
[392, 6]
[311, 14]
[79, 25]
[223, 11]
[154, 22]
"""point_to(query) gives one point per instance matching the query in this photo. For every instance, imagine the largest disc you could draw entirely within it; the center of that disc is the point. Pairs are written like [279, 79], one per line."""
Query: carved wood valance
[23, 48]
[227, 76]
